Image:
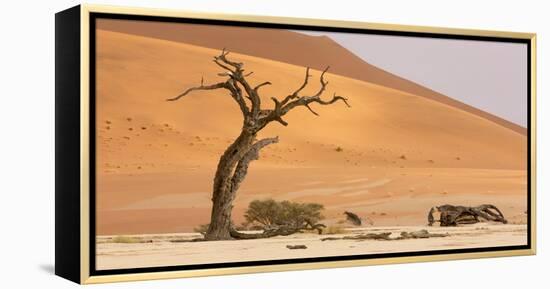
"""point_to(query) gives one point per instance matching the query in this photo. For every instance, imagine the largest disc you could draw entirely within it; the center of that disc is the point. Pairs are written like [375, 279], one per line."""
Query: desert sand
[289, 47]
[400, 154]
[160, 250]
[389, 158]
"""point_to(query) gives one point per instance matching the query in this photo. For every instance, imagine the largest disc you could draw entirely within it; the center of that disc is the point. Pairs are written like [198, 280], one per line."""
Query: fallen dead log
[370, 236]
[386, 236]
[421, 234]
[460, 215]
[294, 247]
[283, 230]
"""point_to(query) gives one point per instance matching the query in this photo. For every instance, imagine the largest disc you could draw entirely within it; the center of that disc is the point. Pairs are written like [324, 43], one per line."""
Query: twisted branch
[295, 100]
[230, 85]
[256, 117]
[253, 154]
[294, 95]
[201, 87]
[283, 230]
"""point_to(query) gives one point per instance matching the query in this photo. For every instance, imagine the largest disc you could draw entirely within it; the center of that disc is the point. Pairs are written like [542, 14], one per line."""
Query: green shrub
[268, 213]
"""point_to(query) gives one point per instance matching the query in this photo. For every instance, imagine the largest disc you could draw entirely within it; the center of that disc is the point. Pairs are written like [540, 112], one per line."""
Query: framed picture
[193, 144]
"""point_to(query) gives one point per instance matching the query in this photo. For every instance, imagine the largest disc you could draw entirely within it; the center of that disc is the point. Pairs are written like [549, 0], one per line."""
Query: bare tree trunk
[223, 194]
[231, 172]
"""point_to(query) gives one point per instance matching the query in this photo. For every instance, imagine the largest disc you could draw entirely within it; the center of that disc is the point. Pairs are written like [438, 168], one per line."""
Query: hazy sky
[491, 76]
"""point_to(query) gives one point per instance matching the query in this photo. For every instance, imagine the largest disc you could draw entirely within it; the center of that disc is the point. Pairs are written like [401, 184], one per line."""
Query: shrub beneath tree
[269, 214]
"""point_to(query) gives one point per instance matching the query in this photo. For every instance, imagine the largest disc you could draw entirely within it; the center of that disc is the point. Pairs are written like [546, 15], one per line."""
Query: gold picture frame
[73, 137]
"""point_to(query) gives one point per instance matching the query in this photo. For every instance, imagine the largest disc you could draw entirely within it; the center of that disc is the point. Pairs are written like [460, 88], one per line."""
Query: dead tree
[233, 164]
[460, 215]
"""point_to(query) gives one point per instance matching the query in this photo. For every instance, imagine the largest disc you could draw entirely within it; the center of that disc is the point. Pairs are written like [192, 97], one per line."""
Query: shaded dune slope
[290, 47]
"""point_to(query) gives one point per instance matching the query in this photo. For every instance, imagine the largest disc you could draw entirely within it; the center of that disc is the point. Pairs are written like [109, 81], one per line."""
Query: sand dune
[290, 47]
[400, 153]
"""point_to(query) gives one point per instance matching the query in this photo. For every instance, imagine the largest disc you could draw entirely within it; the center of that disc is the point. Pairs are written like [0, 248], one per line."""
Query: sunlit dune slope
[136, 75]
[155, 157]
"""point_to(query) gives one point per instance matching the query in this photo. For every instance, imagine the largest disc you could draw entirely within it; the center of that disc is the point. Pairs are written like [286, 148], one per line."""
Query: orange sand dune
[401, 153]
[290, 47]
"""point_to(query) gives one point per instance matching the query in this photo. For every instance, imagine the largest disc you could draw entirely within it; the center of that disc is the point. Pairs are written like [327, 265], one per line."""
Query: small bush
[339, 149]
[126, 240]
[268, 213]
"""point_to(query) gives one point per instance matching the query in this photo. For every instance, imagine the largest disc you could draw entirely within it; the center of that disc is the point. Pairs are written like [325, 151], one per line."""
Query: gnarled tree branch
[230, 85]
[294, 95]
[294, 100]
[260, 85]
[253, 154]
[237, 73]
[201, 87]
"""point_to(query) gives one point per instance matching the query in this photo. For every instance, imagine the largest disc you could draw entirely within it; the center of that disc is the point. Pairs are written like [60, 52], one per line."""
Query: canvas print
[221, 144]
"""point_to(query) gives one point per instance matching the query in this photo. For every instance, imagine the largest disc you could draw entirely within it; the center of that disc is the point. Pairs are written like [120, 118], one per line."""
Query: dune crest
[290, 47]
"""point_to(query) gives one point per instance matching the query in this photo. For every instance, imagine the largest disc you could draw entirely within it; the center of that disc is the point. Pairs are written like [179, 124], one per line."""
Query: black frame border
[92, 144]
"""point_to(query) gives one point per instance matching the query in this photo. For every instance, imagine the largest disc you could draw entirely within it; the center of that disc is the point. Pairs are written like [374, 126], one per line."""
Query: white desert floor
[160, 251]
